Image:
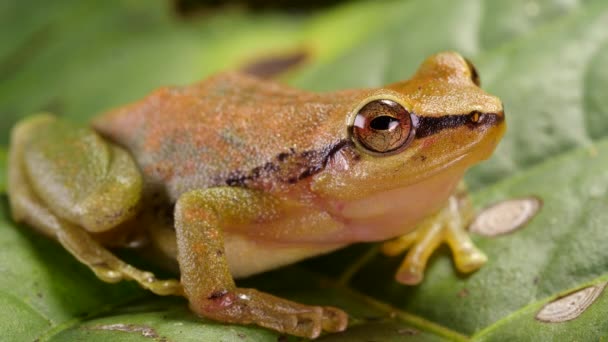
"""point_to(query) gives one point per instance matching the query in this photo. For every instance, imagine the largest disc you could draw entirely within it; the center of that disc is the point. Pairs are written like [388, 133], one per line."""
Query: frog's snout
[494, 127]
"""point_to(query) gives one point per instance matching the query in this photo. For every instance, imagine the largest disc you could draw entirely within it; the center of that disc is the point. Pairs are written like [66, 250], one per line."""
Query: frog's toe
[334, 319]
[409, 274]
[411, 271]
[164, 287]
[421, 244]
[311, 323]
[114, 270]
[467, 256]
[308, 324]
[107, 274]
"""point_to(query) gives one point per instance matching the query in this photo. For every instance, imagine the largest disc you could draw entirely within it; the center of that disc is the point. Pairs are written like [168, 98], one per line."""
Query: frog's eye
[382, 126]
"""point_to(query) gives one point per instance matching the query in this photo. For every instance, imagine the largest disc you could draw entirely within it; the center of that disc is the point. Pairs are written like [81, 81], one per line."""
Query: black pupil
[382, 123]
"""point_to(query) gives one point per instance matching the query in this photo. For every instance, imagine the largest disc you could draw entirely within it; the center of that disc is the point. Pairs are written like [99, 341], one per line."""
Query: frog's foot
[85, 248]
[246, 306]
[446, 226]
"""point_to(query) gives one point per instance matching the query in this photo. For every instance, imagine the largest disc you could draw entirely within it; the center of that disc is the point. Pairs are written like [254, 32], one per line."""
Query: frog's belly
[247, 257]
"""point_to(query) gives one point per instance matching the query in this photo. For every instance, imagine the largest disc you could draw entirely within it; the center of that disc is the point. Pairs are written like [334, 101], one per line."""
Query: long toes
[107, 274]
[410, 275]
[308, 328]
[166, 287]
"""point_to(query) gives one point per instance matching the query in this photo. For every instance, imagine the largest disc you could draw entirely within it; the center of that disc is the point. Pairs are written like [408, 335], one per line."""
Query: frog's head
[411, 143]
[439, 116]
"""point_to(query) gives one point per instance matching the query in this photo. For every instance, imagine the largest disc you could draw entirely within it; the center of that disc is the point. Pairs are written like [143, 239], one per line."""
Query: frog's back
[230, 129]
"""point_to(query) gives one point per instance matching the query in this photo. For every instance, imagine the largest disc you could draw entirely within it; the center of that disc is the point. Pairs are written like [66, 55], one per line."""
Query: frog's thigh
[448, 226]
[208, 283]
[28, 205]
[79, 176]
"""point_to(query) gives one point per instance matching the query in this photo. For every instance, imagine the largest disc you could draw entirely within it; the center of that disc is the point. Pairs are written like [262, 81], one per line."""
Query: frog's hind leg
[66, 182]
[448, 225]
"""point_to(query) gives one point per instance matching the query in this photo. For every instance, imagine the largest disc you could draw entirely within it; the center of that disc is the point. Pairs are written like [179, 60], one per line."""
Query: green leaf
[547, 60]
[76, 59]
[3, 157]
[549, 80]
[49, 296]
[561, 249]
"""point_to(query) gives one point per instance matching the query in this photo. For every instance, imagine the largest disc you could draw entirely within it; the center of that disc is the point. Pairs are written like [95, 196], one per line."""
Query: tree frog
[235, 175]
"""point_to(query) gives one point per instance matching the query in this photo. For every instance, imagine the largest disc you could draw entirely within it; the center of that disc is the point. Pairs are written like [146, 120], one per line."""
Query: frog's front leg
[200, 217]
[448, 225]
[67, 182]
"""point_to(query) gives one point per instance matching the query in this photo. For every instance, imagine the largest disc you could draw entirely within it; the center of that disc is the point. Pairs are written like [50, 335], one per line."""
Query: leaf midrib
[506, 319]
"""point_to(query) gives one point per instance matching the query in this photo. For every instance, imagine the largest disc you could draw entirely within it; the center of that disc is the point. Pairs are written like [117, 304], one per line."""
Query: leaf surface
[547, 60]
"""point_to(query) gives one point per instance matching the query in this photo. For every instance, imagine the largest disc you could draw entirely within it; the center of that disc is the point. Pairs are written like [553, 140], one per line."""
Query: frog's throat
[429, 125]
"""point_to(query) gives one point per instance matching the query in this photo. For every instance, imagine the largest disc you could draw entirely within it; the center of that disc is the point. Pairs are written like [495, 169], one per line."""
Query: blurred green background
[546, 59]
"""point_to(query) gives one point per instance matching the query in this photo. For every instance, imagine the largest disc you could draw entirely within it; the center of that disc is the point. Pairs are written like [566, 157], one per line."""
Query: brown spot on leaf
[570, 306]
[189, 8]
[408, 331]
[506, 216]
[143, 330]
[463, 293]
[272, 66]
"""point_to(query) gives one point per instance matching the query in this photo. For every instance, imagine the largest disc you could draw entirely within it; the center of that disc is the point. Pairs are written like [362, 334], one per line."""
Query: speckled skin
[209, 134]
[234, 176]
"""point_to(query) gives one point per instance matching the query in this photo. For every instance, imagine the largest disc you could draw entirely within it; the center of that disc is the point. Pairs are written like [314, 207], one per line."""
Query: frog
[235, 175]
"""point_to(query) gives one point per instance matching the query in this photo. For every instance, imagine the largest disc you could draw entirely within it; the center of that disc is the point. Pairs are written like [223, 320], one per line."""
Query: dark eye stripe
[429, 125]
